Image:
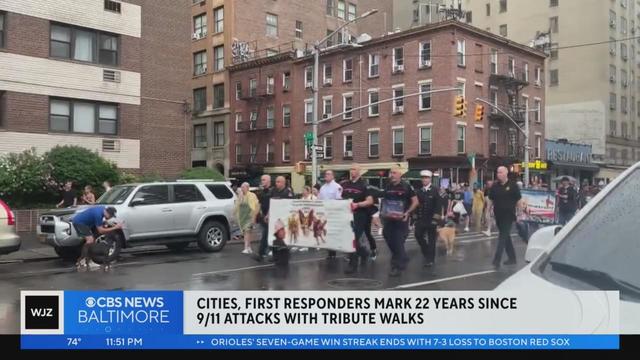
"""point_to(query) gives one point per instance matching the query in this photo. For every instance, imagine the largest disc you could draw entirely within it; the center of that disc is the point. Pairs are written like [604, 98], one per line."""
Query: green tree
[23, 178]
[203, 174]
[80, 165]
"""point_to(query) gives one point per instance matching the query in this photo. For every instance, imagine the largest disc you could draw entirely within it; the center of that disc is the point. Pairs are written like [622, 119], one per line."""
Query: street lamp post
[316, 91]
[525, 131]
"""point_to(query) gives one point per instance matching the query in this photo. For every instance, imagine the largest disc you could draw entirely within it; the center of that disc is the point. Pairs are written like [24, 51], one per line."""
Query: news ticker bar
[323, 342]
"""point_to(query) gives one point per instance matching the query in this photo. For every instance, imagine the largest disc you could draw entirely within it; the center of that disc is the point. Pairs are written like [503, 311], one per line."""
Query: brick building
[224, 33]
[272, 105]
[97, 74]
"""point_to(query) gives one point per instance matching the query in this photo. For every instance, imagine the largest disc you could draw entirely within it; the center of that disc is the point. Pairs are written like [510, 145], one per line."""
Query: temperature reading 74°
[73, 341]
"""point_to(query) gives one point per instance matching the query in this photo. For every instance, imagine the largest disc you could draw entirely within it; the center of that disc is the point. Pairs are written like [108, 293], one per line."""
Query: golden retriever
[448, 235]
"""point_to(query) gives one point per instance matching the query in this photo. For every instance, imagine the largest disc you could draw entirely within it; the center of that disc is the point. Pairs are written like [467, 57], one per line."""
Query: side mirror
[540, 241]
[137, 202]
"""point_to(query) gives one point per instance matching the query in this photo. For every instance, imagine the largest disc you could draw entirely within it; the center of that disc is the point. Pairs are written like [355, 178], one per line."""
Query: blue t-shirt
[91, 217]
[468, 197]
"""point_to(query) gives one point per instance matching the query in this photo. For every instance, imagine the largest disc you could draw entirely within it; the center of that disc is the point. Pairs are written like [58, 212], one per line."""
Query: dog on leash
[447, 235]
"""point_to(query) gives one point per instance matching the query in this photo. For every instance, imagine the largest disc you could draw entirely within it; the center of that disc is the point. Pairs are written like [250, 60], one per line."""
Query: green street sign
[308, 135]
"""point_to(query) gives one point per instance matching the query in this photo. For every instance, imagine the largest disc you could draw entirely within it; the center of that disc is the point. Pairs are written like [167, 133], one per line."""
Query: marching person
[263, 216]
[331, 190]
[567, 201]
[356, 189]
[429, 216]
[477, 207]
[398, 202]
[504, 194]
[488, 208]
[280, 191]
[247, 208]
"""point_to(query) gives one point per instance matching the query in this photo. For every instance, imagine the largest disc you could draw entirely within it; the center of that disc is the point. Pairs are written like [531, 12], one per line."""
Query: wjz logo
[41, 312]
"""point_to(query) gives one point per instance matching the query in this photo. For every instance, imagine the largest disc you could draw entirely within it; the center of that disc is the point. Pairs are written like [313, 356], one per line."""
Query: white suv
[166, 213]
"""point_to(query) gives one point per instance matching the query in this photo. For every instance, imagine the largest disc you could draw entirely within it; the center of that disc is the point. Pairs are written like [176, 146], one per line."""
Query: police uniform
[428, 217]
[395, 232]
[505, 197]
[358, 192]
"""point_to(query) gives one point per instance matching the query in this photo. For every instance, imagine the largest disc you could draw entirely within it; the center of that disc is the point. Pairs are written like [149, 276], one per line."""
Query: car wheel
[68, 253]
[177, 246]
[106, 248]
[213, 236]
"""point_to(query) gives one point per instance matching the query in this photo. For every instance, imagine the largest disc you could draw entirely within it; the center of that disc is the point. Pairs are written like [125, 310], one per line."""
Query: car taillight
[11, 220]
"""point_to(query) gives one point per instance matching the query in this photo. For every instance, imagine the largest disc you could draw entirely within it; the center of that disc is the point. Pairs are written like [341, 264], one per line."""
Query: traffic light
[460, 107]
[479, 113]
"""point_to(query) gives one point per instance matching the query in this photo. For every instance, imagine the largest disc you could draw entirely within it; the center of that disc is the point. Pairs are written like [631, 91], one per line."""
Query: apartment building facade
[376, 125]
[592, 88]
[96, 74]
[224, 33]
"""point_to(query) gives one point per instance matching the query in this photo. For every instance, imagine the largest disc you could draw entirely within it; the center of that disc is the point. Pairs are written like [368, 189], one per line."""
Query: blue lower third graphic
[323, 342]
[118, 312]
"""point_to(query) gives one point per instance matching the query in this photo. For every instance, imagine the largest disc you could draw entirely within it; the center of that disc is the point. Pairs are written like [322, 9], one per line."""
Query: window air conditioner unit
[326, 116]
[309, 85]
[348, 154]
[204, 69]
[612, 52]
[624, 83]
[511, 74]
[110, 145]
[328, 81]
[399, 109]
[398, 68]
[111, 75]
[426, 63]
[538, 83]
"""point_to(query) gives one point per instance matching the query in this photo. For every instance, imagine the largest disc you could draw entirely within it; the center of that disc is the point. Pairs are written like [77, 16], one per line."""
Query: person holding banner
[505, 194]
[331, 190]
[263, 216]
[398, 202]
[429, 216]
[355, 189]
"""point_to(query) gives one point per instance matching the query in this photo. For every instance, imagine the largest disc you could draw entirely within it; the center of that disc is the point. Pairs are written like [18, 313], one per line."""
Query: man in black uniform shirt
[356, 190]
[429, 215]
[398, 202]
[504, 194]
[567, 201]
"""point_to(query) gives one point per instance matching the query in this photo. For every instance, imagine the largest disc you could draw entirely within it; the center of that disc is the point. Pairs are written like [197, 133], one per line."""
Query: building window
[298, 29]
[271, 117]
[341, 9]
[271, 84]
[308, 111]
[554, 53]
[538, 146]
[347, 105]
[200, 26]
[75, 116]
[218, 96]
[461, 53]
[398, 142]
[238, 154]
[624, 130]
[269, 151]
[612, 46]
[238, 122]
[613, 127]
[612, 19]
[2, 107]
[398, 99]
[374, 107]
[612, 74]
[2, 28]
[425, 141]
[253, 152]
[503, 6]
[538, 76]
[327, 104]
[493, 142]
[612, 101]
[511, 63]
[351, 15]
[199, 63]
[286, 116]
[253, 87]
[623, 51]
[553, 78]
[525, 101]
[494, 61]
[478, 54]
[238, 90]
[328, 147]
[503, 30]
[327, 74]
[218, 19]
[374, 144]
[330, 7]
[425, 54]
[347, 72]
[525, 73]
[623, 104]
[218, 61]
[623, 78]
[511, 144]
[488, 6]
[537, 105]
[398, 59]
[253, 119]
[272, 25]
[286, 80]
[199, 100]
[330, 42]
[218, 133]
[553, 24]
[348, 146]
[374, 65]
[623, 25]
[112, 6]
[200, 136]
[81, 44]
[425, 99]
[553, 3]
[461, 139]
[494, 100]
[469, 17]
[308, 77]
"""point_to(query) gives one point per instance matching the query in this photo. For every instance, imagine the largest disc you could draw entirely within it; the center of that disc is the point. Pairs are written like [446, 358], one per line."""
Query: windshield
[603, 250]
[116, 196]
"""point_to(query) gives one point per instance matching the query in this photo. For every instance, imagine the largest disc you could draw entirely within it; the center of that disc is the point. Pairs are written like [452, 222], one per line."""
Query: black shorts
[83, 230]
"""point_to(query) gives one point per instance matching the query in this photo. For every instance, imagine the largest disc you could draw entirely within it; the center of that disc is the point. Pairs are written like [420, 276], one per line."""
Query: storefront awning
[573, 165]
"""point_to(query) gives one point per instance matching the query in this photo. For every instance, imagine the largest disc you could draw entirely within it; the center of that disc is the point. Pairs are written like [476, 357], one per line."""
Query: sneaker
[488, 233]
[395, 272]
[247, 251]
[374, 254]
[92, 265]
[303, 249]
[466, 229]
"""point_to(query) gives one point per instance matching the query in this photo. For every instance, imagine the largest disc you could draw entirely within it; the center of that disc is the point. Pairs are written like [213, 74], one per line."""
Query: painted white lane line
[407, 286]
[254, 267]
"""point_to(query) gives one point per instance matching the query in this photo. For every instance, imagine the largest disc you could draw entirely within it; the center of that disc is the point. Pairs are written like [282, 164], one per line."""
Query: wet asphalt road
[469, 268]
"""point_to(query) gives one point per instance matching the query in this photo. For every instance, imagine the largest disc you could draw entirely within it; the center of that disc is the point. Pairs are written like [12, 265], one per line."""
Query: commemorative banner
[539, 206]
[311, 223]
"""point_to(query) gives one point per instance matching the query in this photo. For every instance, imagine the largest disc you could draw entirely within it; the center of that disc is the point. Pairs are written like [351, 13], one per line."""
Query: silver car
[163, 213]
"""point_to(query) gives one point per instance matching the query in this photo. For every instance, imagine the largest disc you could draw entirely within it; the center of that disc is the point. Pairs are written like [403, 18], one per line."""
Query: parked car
[9, 240]
[599, 249]
[174, 214]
